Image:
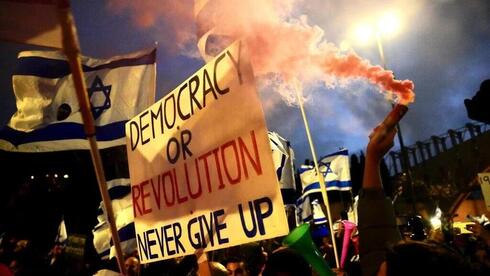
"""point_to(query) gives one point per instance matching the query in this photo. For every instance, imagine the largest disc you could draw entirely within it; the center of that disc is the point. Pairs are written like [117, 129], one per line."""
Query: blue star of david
[99, 87]
[327, 168]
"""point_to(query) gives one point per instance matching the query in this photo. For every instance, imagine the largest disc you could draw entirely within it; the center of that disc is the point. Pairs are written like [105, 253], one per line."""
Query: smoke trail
[280, 44]
[172, 20]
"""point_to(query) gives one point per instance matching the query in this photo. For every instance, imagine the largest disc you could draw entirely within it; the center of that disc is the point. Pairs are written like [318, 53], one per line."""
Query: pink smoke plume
[279, 42]
[172, 19]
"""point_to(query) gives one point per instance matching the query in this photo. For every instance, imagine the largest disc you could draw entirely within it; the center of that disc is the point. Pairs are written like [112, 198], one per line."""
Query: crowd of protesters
[377, 246]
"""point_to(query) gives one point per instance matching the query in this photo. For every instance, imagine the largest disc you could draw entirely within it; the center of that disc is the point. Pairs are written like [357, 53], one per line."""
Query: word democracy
[182, 105]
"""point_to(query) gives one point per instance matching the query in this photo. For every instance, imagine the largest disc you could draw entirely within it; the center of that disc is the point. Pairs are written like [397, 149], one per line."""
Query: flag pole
[321, 180]
[352, 200]
[71, 48]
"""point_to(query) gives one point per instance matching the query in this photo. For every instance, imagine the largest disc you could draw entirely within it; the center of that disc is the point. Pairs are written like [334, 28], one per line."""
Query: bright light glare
[389, 23]
[436, 219]
[436, 222]
[364, 33]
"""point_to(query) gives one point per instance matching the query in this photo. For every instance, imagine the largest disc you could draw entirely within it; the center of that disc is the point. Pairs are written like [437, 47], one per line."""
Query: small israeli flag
[283, 158]
[122, 204]
[336, 173]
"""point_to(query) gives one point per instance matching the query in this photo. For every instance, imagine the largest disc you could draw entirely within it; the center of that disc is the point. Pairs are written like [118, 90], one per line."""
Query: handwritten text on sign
[200, 164]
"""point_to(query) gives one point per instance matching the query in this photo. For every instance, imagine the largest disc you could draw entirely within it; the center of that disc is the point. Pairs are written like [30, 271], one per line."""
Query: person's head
[132, 265]
[217, 269]
[254, 257]
[423, 258]
[234, 266]
[286, 262]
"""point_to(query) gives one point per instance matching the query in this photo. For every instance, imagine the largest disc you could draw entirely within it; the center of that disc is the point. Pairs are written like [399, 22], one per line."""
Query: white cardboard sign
[200, 164]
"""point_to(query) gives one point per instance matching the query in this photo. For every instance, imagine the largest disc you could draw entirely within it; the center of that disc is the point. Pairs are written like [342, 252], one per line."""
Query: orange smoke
[297, 50]
[280, 43]
[353, 66]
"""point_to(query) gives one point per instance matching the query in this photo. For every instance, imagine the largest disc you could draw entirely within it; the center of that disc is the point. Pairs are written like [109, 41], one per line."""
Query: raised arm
[377, 222]
[380, 141]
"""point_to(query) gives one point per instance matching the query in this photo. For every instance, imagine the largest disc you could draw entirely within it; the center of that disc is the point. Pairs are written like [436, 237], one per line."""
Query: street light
[387, 25]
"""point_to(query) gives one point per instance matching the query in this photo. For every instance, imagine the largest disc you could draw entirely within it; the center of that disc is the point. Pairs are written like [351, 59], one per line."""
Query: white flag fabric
[211, 39]
[48, 117]
[283, 158]
[304, 212]
[318, 214]
[62, 235]
[31, 22]
[120, 194]
[336, 172]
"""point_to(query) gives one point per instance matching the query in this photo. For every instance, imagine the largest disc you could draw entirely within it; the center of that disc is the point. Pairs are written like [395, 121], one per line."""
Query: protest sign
[484, 179]
[200, 164]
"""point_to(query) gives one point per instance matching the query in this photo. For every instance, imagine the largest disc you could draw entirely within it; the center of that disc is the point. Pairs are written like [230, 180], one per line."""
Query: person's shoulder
[371, 194]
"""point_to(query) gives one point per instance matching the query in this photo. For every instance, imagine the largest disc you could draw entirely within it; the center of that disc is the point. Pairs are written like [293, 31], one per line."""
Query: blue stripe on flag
[340, 184]
[320, 220]
[342, 152]
[105, 253]
[118, 192]
[62, 131]
[308, 218]
[126, 233]
[330, 184]
[281, 167]
[311, 187]
[55, 68]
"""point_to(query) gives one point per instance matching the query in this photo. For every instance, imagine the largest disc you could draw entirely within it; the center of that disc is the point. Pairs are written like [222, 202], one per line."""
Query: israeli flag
[304, 212]
[336, 173]
[120, 194]
[48, 116]
[318, 214]
[283, 158]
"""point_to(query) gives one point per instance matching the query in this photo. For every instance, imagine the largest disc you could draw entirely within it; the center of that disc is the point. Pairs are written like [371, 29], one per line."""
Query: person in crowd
[235, 266]
[217, 269]
[481, 251]
[480, 231]
[382, 251]
[132, 265]
[286, 262]
[255, 258]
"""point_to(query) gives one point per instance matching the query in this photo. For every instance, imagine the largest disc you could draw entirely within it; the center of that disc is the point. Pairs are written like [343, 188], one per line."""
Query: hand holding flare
[386, 129]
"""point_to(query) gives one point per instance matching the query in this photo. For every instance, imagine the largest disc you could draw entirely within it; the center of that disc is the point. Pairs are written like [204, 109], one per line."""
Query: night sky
[443, 46]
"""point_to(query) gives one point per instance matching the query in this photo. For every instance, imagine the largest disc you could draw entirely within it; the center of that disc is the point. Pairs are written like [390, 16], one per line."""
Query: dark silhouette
[478, 107]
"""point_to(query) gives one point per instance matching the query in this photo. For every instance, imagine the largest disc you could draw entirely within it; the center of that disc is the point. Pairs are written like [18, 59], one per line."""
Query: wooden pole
[72, 50]
[297, 88]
